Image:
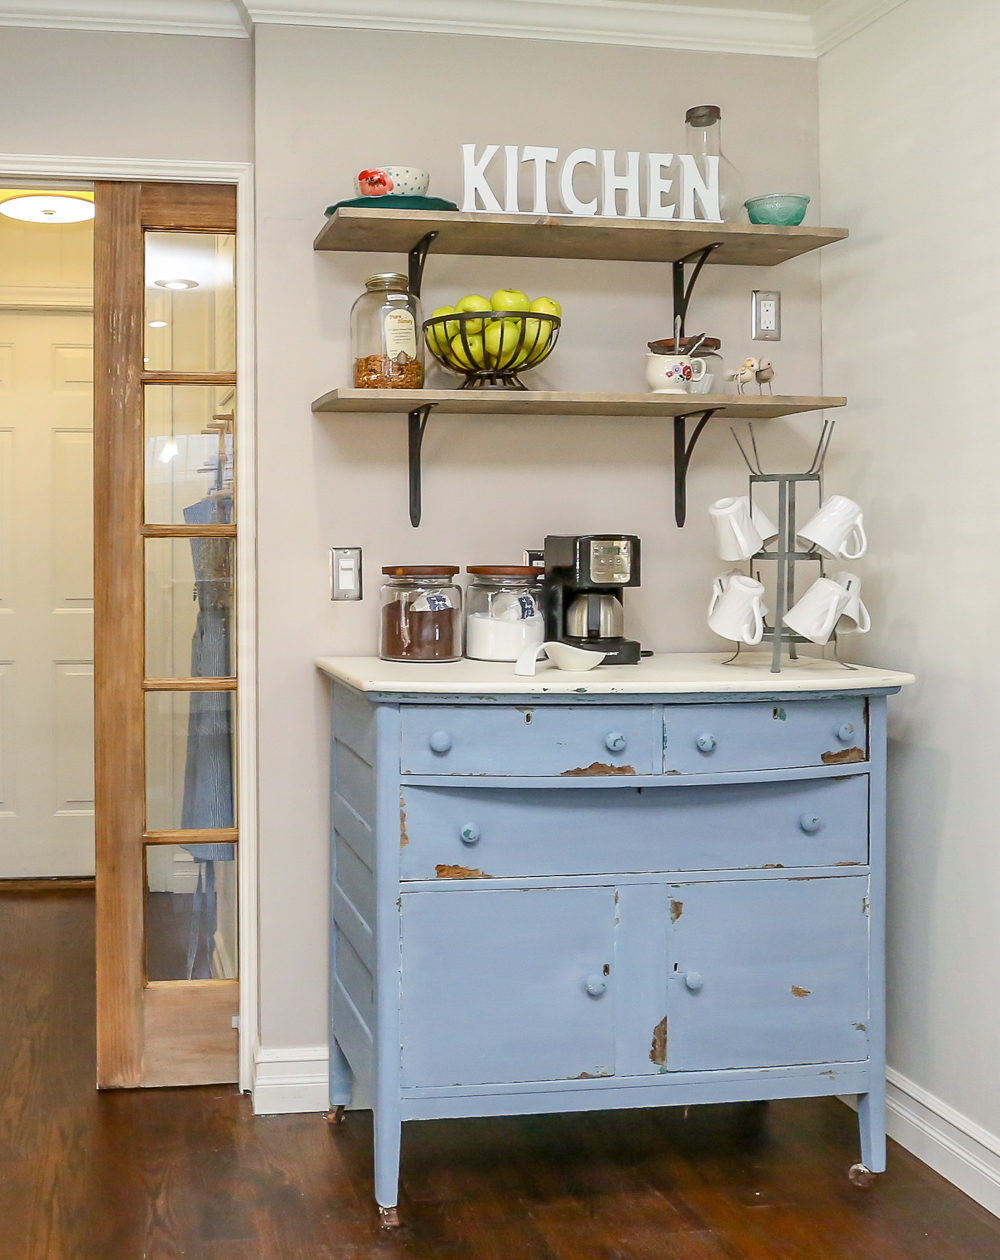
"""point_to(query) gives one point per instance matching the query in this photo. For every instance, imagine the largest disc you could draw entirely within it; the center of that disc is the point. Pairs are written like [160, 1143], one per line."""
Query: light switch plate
[345, 573]
[765, 310]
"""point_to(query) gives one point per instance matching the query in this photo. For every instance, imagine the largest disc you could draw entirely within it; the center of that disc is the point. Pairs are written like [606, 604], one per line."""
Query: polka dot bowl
[403, 181]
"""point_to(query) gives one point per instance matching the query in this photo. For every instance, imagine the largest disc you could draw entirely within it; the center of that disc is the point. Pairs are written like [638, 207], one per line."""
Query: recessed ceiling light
[157, 323]
[177, 284]
[51, 208]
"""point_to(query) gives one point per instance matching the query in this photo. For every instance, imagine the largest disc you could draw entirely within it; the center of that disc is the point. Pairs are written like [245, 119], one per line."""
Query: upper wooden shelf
[356, 228]
[498, 402]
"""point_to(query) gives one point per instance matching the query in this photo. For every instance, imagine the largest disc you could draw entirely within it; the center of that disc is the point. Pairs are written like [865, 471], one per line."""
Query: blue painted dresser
[637, 887]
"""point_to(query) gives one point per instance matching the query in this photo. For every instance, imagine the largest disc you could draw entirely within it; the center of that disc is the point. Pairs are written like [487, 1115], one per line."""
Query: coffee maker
[584, 578]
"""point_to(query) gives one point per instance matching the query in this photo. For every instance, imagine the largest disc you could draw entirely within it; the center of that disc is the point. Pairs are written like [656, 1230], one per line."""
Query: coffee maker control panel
[610, 561]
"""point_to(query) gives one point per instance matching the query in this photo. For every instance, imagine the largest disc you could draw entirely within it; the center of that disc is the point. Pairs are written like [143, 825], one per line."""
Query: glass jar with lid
[504, 611]
[421, 613]
[387, 343]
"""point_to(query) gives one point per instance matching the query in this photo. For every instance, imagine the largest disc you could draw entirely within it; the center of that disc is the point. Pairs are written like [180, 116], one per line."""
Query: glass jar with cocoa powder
[387, 344]
[421, 613]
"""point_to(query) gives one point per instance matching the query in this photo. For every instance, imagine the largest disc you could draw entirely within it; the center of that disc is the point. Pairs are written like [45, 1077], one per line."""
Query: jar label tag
[400, 335]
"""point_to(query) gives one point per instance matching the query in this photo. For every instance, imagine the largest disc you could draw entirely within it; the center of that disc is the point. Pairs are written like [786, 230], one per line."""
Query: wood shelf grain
[358, 229]
[557, 403]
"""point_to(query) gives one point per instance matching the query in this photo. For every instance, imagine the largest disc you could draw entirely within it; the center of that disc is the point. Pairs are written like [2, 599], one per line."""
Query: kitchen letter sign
[697, 185]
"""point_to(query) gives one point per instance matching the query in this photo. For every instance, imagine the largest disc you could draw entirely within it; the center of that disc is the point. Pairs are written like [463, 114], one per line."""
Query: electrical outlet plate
[765, 322]
[345, 573]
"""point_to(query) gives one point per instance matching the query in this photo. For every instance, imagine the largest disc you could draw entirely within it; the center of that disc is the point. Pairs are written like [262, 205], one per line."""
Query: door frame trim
[54, 166]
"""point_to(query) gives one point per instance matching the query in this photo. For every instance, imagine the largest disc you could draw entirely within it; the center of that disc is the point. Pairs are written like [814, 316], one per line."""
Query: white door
[46, 595]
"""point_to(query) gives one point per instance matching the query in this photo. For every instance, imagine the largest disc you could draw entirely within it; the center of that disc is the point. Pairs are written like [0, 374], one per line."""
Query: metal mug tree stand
[786, 554]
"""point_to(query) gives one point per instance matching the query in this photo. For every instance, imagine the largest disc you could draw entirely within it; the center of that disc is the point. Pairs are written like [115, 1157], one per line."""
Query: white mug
[739, 533]
[673, 373]
[854, 609]
[818, 611]
[838, 523]
[736, 610]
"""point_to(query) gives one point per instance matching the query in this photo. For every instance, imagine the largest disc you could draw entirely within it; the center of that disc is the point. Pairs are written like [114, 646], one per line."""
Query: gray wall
[118, 95]
[909, 111]
[329, 103]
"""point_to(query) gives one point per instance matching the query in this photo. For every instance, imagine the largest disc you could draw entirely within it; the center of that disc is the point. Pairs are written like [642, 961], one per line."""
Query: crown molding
[160, 17]
[838, 20]
[630, 22]
[633, 23]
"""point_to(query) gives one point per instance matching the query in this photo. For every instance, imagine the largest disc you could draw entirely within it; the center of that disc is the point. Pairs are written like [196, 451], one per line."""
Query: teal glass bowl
[778, 209]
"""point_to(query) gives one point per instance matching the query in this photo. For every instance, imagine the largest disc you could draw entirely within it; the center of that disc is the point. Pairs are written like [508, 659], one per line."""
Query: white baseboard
[295, 1079]
[958, 1148]
[292, 1079]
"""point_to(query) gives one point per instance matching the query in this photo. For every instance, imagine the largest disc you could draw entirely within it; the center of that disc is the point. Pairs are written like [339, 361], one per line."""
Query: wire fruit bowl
[490, 348]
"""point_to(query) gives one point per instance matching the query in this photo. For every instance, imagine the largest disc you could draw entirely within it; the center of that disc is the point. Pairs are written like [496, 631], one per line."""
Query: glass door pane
[188, 454]
[189, 607]
[190, 303]
[189, 760]
[191, 912]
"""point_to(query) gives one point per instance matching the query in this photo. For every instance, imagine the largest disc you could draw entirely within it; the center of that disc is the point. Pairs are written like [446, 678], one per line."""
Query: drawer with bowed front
[714, 738]
[470, 833]
[565, 740]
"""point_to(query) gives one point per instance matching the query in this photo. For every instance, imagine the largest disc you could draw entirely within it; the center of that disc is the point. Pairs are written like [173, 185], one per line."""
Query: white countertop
[676, 672]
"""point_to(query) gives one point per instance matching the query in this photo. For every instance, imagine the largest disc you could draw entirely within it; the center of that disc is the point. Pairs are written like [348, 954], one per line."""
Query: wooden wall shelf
[467, 402]
[419, 403]
[358, 229]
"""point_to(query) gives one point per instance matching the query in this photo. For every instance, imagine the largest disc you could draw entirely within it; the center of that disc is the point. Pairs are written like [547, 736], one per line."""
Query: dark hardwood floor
[158, 1174]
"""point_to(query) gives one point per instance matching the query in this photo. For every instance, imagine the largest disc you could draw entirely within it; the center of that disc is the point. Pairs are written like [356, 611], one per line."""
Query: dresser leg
[388, 1218]
[871, 1122]
[388, 1131]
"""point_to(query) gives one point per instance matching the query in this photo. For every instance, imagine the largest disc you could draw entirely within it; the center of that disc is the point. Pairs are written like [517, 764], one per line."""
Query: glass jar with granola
[387, 346]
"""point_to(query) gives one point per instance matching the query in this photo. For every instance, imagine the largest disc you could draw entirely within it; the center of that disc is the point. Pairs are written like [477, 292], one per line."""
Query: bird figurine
[764, 375]
[743, 375]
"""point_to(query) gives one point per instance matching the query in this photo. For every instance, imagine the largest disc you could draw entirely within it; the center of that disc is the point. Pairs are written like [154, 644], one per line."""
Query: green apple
[509, 300]
[501, 339]
[474, 302]
[445, 332]
[458, 354]
[546, 306]
[536, 337]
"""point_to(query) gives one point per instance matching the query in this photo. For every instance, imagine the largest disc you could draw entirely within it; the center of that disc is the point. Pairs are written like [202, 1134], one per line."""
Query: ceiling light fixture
[157, 323]
[50, 208]
[176, 284]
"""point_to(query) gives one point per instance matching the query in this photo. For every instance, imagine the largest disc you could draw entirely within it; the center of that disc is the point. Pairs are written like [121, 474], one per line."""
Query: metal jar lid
[703, 115]
[388, 281]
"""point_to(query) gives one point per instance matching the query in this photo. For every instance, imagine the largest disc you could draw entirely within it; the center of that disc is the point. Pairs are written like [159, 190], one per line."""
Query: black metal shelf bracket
[682, 291]
[683, 450]
[417, 258]
[416, 425]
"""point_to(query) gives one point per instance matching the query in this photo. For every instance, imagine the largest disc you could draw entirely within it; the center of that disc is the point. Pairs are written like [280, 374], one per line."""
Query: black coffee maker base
[616, 651]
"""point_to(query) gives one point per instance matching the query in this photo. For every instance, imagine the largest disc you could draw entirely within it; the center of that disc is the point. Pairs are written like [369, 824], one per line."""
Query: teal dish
[394, 201]
[778, 209]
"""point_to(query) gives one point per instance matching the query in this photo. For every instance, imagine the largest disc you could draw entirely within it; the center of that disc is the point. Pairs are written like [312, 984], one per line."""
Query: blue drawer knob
[706, 742]
[440, 742]
[694, 981]
[615, 742]
[845, 733]
[810, 824]
[471, 834]
[595, 985]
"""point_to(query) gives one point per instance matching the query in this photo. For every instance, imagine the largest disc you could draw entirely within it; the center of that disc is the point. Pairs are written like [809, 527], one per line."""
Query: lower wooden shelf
[418, 404]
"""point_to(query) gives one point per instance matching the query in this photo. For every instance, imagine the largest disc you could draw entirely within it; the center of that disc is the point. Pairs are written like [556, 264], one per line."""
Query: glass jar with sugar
[504, 611]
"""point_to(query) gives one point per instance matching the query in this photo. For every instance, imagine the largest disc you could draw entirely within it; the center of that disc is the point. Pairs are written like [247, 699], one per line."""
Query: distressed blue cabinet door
[717, 738]
[769, 972]
[495, 985]
[572, 740]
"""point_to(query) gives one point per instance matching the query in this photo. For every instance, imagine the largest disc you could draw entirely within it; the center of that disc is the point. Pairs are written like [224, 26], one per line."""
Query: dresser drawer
[570, 740]
[714, 738]
[466, 833]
